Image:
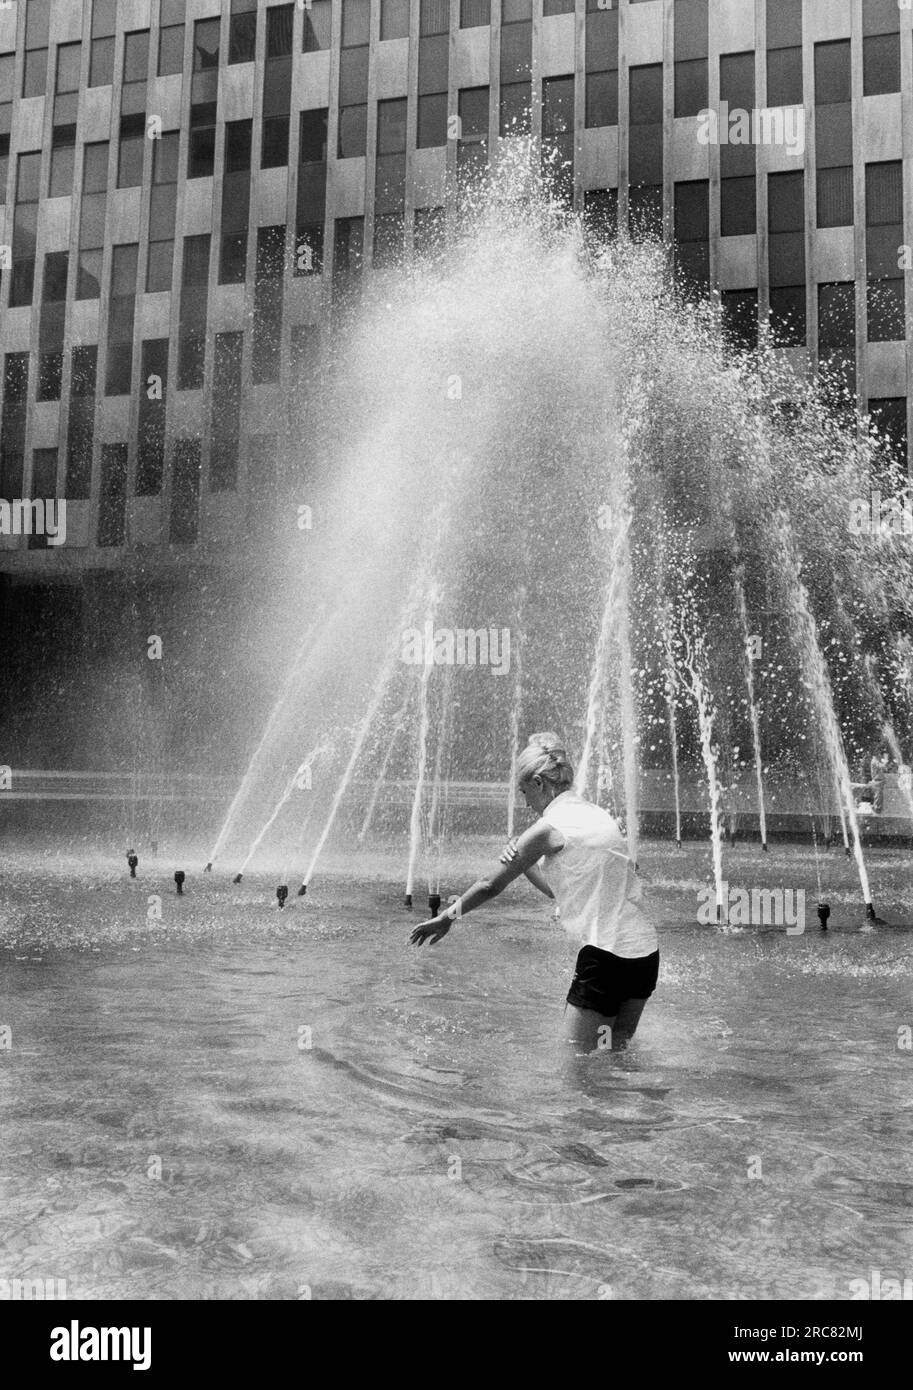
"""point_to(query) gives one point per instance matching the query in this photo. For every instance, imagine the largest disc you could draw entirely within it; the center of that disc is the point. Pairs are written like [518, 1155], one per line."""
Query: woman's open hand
[433, 930]
[510, 851]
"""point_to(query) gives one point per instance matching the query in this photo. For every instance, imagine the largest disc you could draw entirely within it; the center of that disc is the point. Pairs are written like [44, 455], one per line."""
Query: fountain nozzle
[179, 877]
[208, 868]
[237, 878]
[764, 846]
[872, 917]
[132, 860]
[824, 911]
[408, 901]
[434, 903]
[847, 851]
[282, 894]
[302, 890]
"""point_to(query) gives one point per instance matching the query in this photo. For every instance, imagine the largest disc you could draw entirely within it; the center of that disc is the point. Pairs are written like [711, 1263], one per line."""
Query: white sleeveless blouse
[593, 880]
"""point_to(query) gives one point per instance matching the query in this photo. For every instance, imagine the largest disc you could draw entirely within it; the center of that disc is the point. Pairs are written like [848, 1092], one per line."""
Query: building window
[63, 154]
[312, 144]
[185, 492]
[279, 31]
[69, 59]
[101, 62]
[242, 31]
[837, 323]
[739, 313]
[738, 206]
[347, 251]
[233, 258]
[645, 211]
[515, 110]
[394, 19]
[646, 94]
[237, 146]
[44, 485]
[835, 197]
[37, 23]
[318, 26]
[81, 423]
[226, 411]
[136, 56]
[112, 497]
[309, 248]
[202, 149]
[884, 194]
[600, 213]
[388, 240]
[786, 202]
[784, 77]
[150, 440]
[274, 149]
[353, 126]
[50, 369]
[833, 73]
[880, 64]
[788, 315]
[206, 44]
[601, 98]
[267, 326]
[356, 23]
[130, 151]
[889, 420]
[692, 231]
[691, 87]
[474, 12]
[171, 50]
[886, 311]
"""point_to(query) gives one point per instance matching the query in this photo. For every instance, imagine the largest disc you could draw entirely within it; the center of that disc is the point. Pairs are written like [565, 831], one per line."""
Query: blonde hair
[545, 756]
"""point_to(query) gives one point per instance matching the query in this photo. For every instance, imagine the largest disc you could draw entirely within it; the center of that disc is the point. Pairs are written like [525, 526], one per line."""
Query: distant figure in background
[576, 854]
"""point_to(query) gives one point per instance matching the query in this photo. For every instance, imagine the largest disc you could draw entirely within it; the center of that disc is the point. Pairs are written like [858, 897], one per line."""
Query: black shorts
[603, 982]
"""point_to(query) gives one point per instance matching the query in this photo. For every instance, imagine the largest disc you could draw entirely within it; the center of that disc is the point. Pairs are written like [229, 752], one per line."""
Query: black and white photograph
[456, 710]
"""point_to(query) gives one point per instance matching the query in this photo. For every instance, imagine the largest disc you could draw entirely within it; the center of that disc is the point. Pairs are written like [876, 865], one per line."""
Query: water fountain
[586, 469]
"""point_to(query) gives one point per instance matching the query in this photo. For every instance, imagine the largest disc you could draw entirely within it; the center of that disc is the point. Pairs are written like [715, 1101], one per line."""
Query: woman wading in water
[575, 853]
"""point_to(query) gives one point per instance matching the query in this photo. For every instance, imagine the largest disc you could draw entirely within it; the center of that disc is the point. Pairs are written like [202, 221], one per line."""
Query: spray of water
[752, 700]
[300, 780]
[523, 383]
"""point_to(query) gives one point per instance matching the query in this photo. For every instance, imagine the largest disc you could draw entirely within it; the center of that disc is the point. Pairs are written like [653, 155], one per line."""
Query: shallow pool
[237, 1102]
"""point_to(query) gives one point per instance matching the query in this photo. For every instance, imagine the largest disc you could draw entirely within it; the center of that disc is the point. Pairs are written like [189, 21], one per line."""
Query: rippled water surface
[235, 1102]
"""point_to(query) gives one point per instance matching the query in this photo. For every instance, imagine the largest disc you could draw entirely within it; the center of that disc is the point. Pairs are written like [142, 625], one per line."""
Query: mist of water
[477, 419]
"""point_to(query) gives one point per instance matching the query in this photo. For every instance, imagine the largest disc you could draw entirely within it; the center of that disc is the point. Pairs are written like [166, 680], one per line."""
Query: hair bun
[548, 741]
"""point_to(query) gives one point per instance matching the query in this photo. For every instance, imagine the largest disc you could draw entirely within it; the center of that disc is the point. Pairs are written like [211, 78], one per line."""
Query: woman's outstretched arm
[539, 839]
[534, 874]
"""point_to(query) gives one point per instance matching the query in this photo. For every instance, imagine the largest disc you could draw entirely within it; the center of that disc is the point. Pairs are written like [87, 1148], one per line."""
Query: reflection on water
[311, 1109]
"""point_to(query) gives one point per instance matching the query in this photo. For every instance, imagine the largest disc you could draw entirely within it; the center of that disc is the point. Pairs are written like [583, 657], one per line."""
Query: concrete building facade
[188, 186]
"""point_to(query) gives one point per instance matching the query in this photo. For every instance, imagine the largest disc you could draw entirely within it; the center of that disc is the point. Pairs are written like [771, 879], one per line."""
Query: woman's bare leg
[626, 1021]
[588, 1030]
